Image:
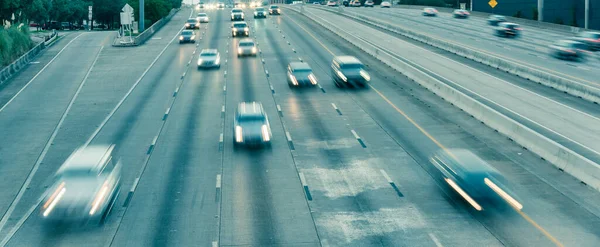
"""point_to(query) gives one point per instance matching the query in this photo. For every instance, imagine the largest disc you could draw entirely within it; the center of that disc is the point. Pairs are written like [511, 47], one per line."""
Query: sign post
[141, 20]
[91, 24]
[127, 21]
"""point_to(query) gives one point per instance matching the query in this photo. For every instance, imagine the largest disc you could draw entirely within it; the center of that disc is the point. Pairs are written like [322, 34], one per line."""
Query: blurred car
[474, 179]
[187, 36]
[460, 13]
[316, 3]
[192, 24]
[274, 10]
[355, 3]
[201, 5]
[239, 5]
[430, 12]
[237, 14]
[251, 125]
[209, 58]
[348, 70]
[260, 12]
[202, 18]
[590, 39]
[300, 74]
[346, 3]
[508, 30]
[569, 50]
[369, 3]
[493, 20]
[386, 4]
[332, 3]
[85, 187]
[240, 28]
[246, 47]
[220, 5]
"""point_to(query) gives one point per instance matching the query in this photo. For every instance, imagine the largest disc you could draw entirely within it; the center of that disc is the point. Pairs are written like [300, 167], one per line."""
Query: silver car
[209, 58]
[251, 125]
[246, 47]
[86, 187]
[569, 50]
[202, 18]
[300, 74]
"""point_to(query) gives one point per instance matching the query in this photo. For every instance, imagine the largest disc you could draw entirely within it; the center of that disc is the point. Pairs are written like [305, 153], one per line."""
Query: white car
[209, 58]
[246, 47]
[369, 3]
[386, 4]
[332, 3]
[202, 18]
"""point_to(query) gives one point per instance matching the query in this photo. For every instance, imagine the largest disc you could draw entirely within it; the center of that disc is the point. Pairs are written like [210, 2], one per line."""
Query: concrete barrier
[563, 158]
[538, 75]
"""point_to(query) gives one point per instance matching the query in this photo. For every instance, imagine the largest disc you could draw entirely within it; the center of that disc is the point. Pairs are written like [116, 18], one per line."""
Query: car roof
[209, 51]
[347, 60]
[90, 157]
[240, 22]
[236, 9]
[299, 65]
[187, 32]
[250, 109]
[246, 40]
[202, 14]
[191, 19]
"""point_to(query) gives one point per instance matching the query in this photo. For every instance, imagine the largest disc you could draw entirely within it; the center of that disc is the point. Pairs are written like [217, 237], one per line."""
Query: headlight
[265, 133]
[312, 79]
[246, 29]
[294, 81]
[99, 198]
[54, 199]
[200, 61]
[193, 37]
[235, 29]
[238, 134]
[218, 60]
[232, 16]
[253, 49]
[187, 24]
[242, 15]
[255, 13]
[365, 75]
[341, 75]
[240, 50]
[180, 37]
[503, 194]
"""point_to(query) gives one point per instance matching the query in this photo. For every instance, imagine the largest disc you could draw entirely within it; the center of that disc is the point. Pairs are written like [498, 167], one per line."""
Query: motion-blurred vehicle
[346, 3]
[569, 50]
[386, 4]
[430, 12]
[274, 10]
[260, 12]
[508, 30]
[590, 39]
[237, 14]
[474, 179]
[493, 20]
[348, 70]
[209, 58]
[239, 5]
[220, 5]
[369, 3]
[300, 74]
[316, 3]
[201, 5]
[355, 3]
[332, 3]
[192, 23]
[460, 13]
[202, 18]
[85, 187]
[246, 47]
[251, 125]
[255, 4]
[187, 36]
[240, 28]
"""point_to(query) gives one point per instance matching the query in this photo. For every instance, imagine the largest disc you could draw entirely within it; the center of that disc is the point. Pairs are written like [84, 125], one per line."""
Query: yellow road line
[531, 221]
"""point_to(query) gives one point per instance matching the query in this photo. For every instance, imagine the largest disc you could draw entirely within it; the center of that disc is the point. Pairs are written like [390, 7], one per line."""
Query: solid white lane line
[385, 175]
[38, 73]
[39, 160]
[218, 185]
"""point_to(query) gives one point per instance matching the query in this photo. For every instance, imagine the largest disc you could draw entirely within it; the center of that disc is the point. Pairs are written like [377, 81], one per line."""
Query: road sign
[90, 12]
[493, 3]
[127, 8]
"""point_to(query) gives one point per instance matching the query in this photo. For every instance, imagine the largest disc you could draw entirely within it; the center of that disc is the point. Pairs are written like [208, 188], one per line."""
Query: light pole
[141, 16]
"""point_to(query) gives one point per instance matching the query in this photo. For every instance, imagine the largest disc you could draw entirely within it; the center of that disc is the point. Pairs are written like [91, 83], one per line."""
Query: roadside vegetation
[14, 42]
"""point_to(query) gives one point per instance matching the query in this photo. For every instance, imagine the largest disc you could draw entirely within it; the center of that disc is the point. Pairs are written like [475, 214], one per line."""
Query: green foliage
[13, 44]
[559, 21]
[535, 14]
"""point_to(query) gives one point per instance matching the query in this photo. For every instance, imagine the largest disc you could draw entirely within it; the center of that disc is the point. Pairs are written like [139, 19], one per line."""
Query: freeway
[346, 167]
[531, 49]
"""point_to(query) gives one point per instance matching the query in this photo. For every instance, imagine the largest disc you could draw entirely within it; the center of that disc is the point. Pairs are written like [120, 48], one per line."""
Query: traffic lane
[29, 120]
[348, 187]
[533, 178]
[12, 86]
[171, 28]
[125, 129]
[538, 111]
[263, 202]
[582, 72]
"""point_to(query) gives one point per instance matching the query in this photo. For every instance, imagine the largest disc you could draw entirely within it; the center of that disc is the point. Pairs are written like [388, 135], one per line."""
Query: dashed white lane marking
[215, 244]
[135, 184]
[385, 175]
[354, 134]
[221, 138]
[334, 106]
[302, 179]
[218, 184]
[288, 136]
[435, 240]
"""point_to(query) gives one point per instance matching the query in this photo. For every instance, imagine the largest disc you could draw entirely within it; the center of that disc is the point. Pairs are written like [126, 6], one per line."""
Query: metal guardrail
[16, 66]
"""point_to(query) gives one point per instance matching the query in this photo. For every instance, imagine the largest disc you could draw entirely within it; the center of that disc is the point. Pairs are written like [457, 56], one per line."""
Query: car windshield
[191, 21]
[251, 119]
[274, 7]
[187, 32]
[351, 66]
[236, 11]
[208, 55]
[247, 44]
[302, 70]
[202, 15]
[260, 9]
[77, 173]
[239, 25]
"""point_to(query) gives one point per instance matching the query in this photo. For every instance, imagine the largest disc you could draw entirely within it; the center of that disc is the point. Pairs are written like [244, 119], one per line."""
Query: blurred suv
[460, 13]
[240, 28]
[569, 50]
[493, 20]
[260, 13]
[220, 5]
[348, 70]
[251, 125]
[508, 30]
[300, 74]
[274, 10]
[369, 3]
[246, 47]
[386, 4]
[591, 39]
[473, 179]
[430, 12]
[192, 24]
[209, 58]
[237, 14]
[85, 187]
[187, 36]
